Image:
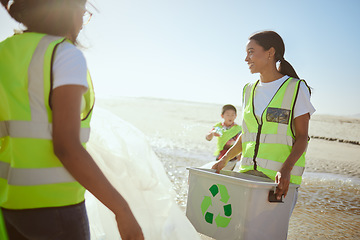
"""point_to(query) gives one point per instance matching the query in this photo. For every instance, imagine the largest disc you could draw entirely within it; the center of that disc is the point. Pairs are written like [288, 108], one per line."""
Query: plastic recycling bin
[233, 205]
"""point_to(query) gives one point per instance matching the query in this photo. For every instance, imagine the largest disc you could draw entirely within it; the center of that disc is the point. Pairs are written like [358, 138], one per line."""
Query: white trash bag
[127, 160]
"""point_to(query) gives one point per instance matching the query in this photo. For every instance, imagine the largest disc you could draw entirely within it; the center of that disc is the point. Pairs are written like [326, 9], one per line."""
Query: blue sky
[194, 49]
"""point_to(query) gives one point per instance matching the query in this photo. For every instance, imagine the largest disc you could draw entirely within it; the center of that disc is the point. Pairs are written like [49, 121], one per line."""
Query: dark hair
[227, 107]
[268, 39]
[52, 17]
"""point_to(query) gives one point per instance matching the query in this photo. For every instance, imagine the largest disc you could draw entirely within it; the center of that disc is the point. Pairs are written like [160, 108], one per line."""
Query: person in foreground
[46, 102]
[226, 132]
[276, 114]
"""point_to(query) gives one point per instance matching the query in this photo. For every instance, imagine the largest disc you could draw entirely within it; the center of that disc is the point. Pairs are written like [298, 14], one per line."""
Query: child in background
[227, 132]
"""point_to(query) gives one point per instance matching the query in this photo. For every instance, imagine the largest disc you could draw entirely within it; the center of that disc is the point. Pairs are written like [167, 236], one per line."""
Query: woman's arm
[282, 177]
[233, 152]
[66, 103]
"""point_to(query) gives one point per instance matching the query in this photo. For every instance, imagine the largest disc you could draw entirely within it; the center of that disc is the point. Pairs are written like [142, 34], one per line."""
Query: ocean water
[328, 205]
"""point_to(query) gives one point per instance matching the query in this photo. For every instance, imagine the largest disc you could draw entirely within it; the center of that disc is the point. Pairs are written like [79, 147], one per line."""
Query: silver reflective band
[37, 130]
[289, 93]
[281, 128]
[24, 129]
[287, 103]
[38, 127]
[36, 80]
[244, 127]
[268, 138]
[248, 93]
[34, 176]
[271, 165]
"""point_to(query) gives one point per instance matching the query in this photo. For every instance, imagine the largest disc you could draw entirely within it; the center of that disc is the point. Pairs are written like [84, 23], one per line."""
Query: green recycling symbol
[207, 202]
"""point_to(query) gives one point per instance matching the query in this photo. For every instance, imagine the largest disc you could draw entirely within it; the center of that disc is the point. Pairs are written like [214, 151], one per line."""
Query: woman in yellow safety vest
[276, 114]
[46, 102]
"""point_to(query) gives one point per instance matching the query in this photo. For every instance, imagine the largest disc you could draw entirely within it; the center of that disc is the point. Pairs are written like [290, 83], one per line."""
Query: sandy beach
[155, 117]
[328, 205]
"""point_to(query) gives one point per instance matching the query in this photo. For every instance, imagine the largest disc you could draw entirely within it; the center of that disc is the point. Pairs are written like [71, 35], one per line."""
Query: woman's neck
[270, 75]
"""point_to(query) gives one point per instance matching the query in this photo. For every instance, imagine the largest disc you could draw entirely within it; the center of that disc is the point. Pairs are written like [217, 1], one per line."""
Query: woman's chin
[253, 71]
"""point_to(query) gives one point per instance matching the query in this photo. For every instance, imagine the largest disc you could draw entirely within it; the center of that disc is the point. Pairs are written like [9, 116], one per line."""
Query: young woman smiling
[276, 114]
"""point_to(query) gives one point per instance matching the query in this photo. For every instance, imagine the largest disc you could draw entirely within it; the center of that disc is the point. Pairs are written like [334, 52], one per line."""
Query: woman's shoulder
[67, 49]
[303, 103]
[304, 87]
[69, 55]
[69, 66]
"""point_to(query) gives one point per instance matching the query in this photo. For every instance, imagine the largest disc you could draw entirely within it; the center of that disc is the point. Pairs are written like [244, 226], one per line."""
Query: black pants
[55, 223]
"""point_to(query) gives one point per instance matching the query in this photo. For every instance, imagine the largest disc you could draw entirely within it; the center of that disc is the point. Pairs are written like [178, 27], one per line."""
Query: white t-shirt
[69, 66]
[264, 92]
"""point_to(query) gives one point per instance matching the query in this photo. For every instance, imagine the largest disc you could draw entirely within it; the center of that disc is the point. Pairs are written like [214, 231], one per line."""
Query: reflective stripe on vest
[26, 129]
[36, 79]
[34, 176]
[269, 138]
[281, 134]
[272, 165]
[282, 128]
[37, 128]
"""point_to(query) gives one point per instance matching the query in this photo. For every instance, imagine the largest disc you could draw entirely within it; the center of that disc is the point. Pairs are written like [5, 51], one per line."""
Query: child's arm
[211, 134]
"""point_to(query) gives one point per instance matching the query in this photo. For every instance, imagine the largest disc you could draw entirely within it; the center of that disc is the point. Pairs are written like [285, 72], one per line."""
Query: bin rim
[238, 181]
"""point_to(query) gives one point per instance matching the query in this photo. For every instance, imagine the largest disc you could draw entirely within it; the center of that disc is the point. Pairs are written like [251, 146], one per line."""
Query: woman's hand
[66, 103]
[128, 227]
[282, 178]
[230, 154]
[219, 165]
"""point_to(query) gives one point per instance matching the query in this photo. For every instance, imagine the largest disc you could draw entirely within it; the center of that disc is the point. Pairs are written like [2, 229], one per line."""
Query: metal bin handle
[272, 197]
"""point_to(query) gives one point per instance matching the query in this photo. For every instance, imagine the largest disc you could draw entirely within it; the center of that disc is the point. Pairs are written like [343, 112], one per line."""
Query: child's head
[228, 114]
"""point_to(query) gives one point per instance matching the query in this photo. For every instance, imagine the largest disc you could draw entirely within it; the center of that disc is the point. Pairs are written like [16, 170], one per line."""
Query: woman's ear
[271, 52]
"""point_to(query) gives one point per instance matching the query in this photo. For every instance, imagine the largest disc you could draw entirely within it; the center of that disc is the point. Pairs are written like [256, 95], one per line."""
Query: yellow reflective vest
[31, 176]
[267, 143]
[226, 136]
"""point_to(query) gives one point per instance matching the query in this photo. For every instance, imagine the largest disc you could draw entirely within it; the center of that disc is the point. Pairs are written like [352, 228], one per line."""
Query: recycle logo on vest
[207, 202]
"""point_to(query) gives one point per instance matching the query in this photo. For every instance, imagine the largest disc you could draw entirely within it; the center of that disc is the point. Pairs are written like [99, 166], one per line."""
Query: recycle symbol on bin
[220, 221]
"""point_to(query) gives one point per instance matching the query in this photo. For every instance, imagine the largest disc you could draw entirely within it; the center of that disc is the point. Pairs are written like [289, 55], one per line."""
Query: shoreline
[333, 148]
[176, 132]
[330, 117]
[336, 139]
